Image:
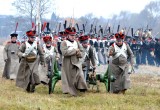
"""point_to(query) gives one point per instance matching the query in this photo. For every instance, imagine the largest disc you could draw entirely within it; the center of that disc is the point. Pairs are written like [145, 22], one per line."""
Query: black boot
[32, 88]
[116, 91]
[28, 87]
[82, 90]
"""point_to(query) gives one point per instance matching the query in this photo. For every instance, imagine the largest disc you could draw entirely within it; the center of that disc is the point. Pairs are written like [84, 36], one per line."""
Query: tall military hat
[84, 38]
[119, 35]
[13, 35]
[62, 33]
[47, 39]
[70, 30]
[31, 33]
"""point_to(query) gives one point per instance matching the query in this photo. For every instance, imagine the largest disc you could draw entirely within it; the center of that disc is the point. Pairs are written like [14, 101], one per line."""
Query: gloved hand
[24, 55]
[77, 52]
[110, 53]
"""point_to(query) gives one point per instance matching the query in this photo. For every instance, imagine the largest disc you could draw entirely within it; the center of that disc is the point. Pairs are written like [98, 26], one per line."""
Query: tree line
[148, 18]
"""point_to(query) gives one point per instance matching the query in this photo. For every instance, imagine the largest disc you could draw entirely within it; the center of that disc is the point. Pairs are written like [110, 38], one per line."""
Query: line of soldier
[31, 54]
[75, 55]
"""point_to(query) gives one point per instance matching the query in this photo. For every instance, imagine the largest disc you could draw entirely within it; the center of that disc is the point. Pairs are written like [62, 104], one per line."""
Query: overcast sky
[64, 8]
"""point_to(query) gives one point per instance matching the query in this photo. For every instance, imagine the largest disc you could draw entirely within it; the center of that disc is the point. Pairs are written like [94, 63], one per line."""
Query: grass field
[143, 95]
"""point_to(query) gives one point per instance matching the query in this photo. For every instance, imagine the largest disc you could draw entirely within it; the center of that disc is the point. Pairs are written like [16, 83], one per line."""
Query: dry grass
[144, 95]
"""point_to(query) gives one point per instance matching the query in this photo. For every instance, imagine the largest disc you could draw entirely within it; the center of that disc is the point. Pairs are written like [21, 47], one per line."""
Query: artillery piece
[105, 78]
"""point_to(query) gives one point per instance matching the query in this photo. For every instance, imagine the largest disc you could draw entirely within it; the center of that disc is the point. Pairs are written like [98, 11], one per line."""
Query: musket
[132, 32]
[16, 27]
[118, 28]
[91, 30]
[147, 27]
[85, 24]
[101, 31]
[83, 28]
[109, 29]
[41, 27]
[47, 26]
[56, 28]
[95, 30]
[65, 24]
[77, 27]
[59, 28]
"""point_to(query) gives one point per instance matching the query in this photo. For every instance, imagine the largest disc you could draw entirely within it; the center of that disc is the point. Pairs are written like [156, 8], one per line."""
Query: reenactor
[99, 46]
[50, 55]
[121, 53]
[144, 50]
[27, 77]
[150, 53]
[104, 49]
[136, 47]
[88, 60]
[11, 58]
[62, 36]
[72, 74]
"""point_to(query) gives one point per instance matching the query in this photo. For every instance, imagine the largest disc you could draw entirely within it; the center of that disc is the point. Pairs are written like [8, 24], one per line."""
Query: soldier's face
[63, 38]
[85, 44]
[119, 42]
[13, 39]
[32, 39]
[48, 44]
[71, 37]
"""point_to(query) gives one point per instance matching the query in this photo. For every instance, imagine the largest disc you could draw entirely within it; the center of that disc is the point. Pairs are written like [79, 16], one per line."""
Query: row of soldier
[29, 61]
[145, 47]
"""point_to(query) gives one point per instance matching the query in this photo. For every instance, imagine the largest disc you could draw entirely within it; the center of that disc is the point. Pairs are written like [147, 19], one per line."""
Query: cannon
[105, 78]
[54, 77]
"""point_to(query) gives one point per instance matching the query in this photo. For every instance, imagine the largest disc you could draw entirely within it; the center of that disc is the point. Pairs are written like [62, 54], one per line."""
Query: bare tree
[28, 7]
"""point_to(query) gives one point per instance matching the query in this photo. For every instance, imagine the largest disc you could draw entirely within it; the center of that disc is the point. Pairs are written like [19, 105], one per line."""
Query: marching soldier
[62, 37]
[120, 53]
[28, 53]
[104, 50]
[99, 46]
[88, 56]
[11, 58]
[72, 74]
[144, 50]
[136, 47]
[51, 55]
[150, 53]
